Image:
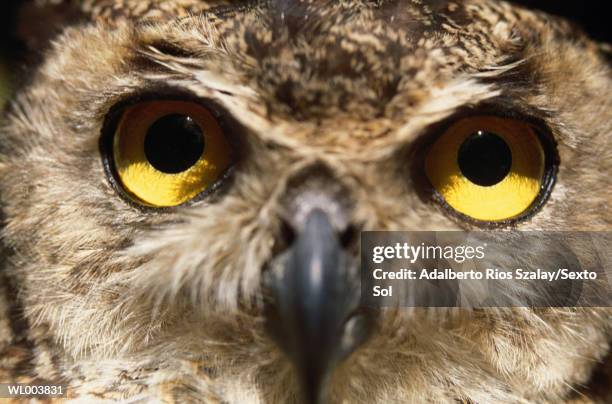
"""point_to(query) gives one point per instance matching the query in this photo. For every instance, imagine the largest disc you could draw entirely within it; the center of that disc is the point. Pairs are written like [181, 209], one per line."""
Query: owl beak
[314, 313]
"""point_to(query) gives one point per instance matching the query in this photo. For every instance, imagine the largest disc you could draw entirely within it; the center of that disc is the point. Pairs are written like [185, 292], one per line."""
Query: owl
[183, 185]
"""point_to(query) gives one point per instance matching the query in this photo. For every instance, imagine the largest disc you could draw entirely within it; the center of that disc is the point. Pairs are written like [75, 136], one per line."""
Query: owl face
[175, 173]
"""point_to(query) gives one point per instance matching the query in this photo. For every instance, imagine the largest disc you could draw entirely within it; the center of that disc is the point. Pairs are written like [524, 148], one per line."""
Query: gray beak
[314, 314]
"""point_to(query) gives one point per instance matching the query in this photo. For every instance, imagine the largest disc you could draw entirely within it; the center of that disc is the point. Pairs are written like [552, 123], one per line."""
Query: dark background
[592, 15]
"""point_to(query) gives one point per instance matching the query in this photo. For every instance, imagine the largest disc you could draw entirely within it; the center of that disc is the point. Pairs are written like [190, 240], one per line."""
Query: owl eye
[489, 168]
[168, 152]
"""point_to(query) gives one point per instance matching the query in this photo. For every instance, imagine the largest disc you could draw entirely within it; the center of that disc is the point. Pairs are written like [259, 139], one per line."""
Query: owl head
[183, 184]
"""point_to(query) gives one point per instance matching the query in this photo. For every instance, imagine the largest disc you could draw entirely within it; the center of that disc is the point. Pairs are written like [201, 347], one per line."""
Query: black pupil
[484, 158]
[174, 143]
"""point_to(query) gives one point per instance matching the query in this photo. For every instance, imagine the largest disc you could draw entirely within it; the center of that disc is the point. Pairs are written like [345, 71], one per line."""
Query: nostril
[284, 239]
[348, 237]
[287, 233]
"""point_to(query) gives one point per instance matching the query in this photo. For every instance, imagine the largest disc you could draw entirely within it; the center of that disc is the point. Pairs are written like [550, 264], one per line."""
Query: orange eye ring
[165, 153]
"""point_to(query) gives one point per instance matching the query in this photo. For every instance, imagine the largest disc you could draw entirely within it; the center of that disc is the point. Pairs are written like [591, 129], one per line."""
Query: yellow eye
[488, 168]
[167, 152]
